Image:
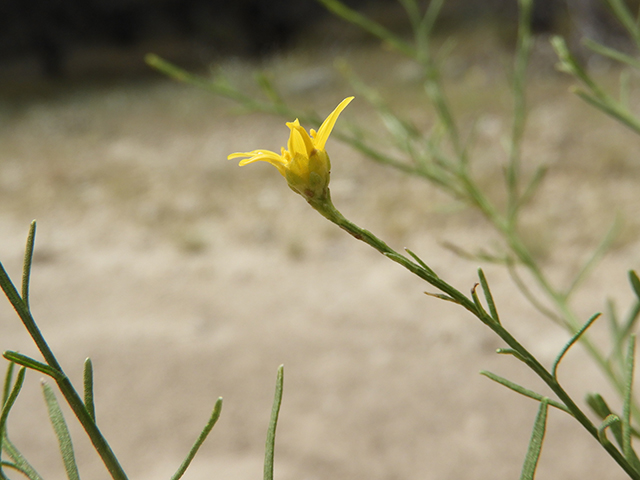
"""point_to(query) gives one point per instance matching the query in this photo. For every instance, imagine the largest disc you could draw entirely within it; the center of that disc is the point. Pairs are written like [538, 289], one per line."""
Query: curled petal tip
[327, 126]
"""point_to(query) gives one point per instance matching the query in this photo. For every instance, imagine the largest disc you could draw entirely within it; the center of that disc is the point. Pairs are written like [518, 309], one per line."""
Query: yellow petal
[292, 126]
[327, 126]
[259, 155]
[299, 141]
[265, 156]
[252, 153]
[303, 142]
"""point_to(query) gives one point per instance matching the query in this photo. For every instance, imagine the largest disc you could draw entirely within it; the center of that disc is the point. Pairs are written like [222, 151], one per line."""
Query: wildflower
[305, 164]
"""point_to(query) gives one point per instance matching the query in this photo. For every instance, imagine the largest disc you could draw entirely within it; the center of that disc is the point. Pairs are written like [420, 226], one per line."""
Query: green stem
[327, 210]
[570, 322]
[70, 394]
[523, 51]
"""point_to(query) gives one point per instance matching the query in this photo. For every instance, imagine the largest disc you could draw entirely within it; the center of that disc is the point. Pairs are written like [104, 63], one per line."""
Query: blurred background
[186, 278]
[71, 38]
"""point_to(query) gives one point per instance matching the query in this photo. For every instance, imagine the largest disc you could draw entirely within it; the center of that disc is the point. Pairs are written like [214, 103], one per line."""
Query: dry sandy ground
[186, 278]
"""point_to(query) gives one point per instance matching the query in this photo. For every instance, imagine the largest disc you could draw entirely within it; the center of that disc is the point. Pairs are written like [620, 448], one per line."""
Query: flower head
[305, 163]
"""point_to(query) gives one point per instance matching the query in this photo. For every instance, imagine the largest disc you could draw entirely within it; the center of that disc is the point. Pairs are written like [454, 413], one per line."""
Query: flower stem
[327, 210]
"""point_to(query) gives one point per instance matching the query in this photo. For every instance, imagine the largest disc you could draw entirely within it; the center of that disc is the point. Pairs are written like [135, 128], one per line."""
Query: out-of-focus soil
[186, 278]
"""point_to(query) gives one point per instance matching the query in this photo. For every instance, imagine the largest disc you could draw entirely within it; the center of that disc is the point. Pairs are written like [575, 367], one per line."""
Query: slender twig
[332, 214]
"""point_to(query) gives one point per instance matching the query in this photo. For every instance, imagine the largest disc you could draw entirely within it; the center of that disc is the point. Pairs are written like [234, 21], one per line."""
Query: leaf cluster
[83, 408]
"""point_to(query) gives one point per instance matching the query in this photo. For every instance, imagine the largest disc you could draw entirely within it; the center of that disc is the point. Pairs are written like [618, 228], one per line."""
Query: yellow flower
[305, 164]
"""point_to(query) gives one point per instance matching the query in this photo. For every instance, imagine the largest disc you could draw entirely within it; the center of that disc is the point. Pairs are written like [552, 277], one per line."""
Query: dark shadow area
[94, 40]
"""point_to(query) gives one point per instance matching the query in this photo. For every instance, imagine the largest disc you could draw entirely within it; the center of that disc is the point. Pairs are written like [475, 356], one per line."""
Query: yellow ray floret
[305, 163]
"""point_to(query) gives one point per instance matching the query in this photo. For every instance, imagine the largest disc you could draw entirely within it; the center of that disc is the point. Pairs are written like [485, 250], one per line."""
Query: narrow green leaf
[29, 362]
[481, 255]
[568, 63]
[524, 289]
[217, 408]
[570, 343]
[611, 53]
[12, 398]
[402, 131]
[488, 297]
[341, 10]
[421, 263]
[19, 460]
[635, 282]
[631, 320]
[435, 92]
[442, 296]
[627, 402]
[612, 315]
[476, 301]
[532, 185]
[430, 17]
[8, 378]
[62, 432]
[625, 17]
[413, 11]
[523, 50]
[6, 408]
[25, 315]
[598, 405]
[595, 257]
[593, 100]
[273, 423]
[28, 260]
[88, 389]
[12, 294]
[405, 261]
[511, 351]
[609, 421]
[601, 408]
[524, 391]
[168, 68]
[621, 332]
[535, 444]
[611, 108]
[265, 82]
[14, 467]
[613, 422]
[625, 88]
